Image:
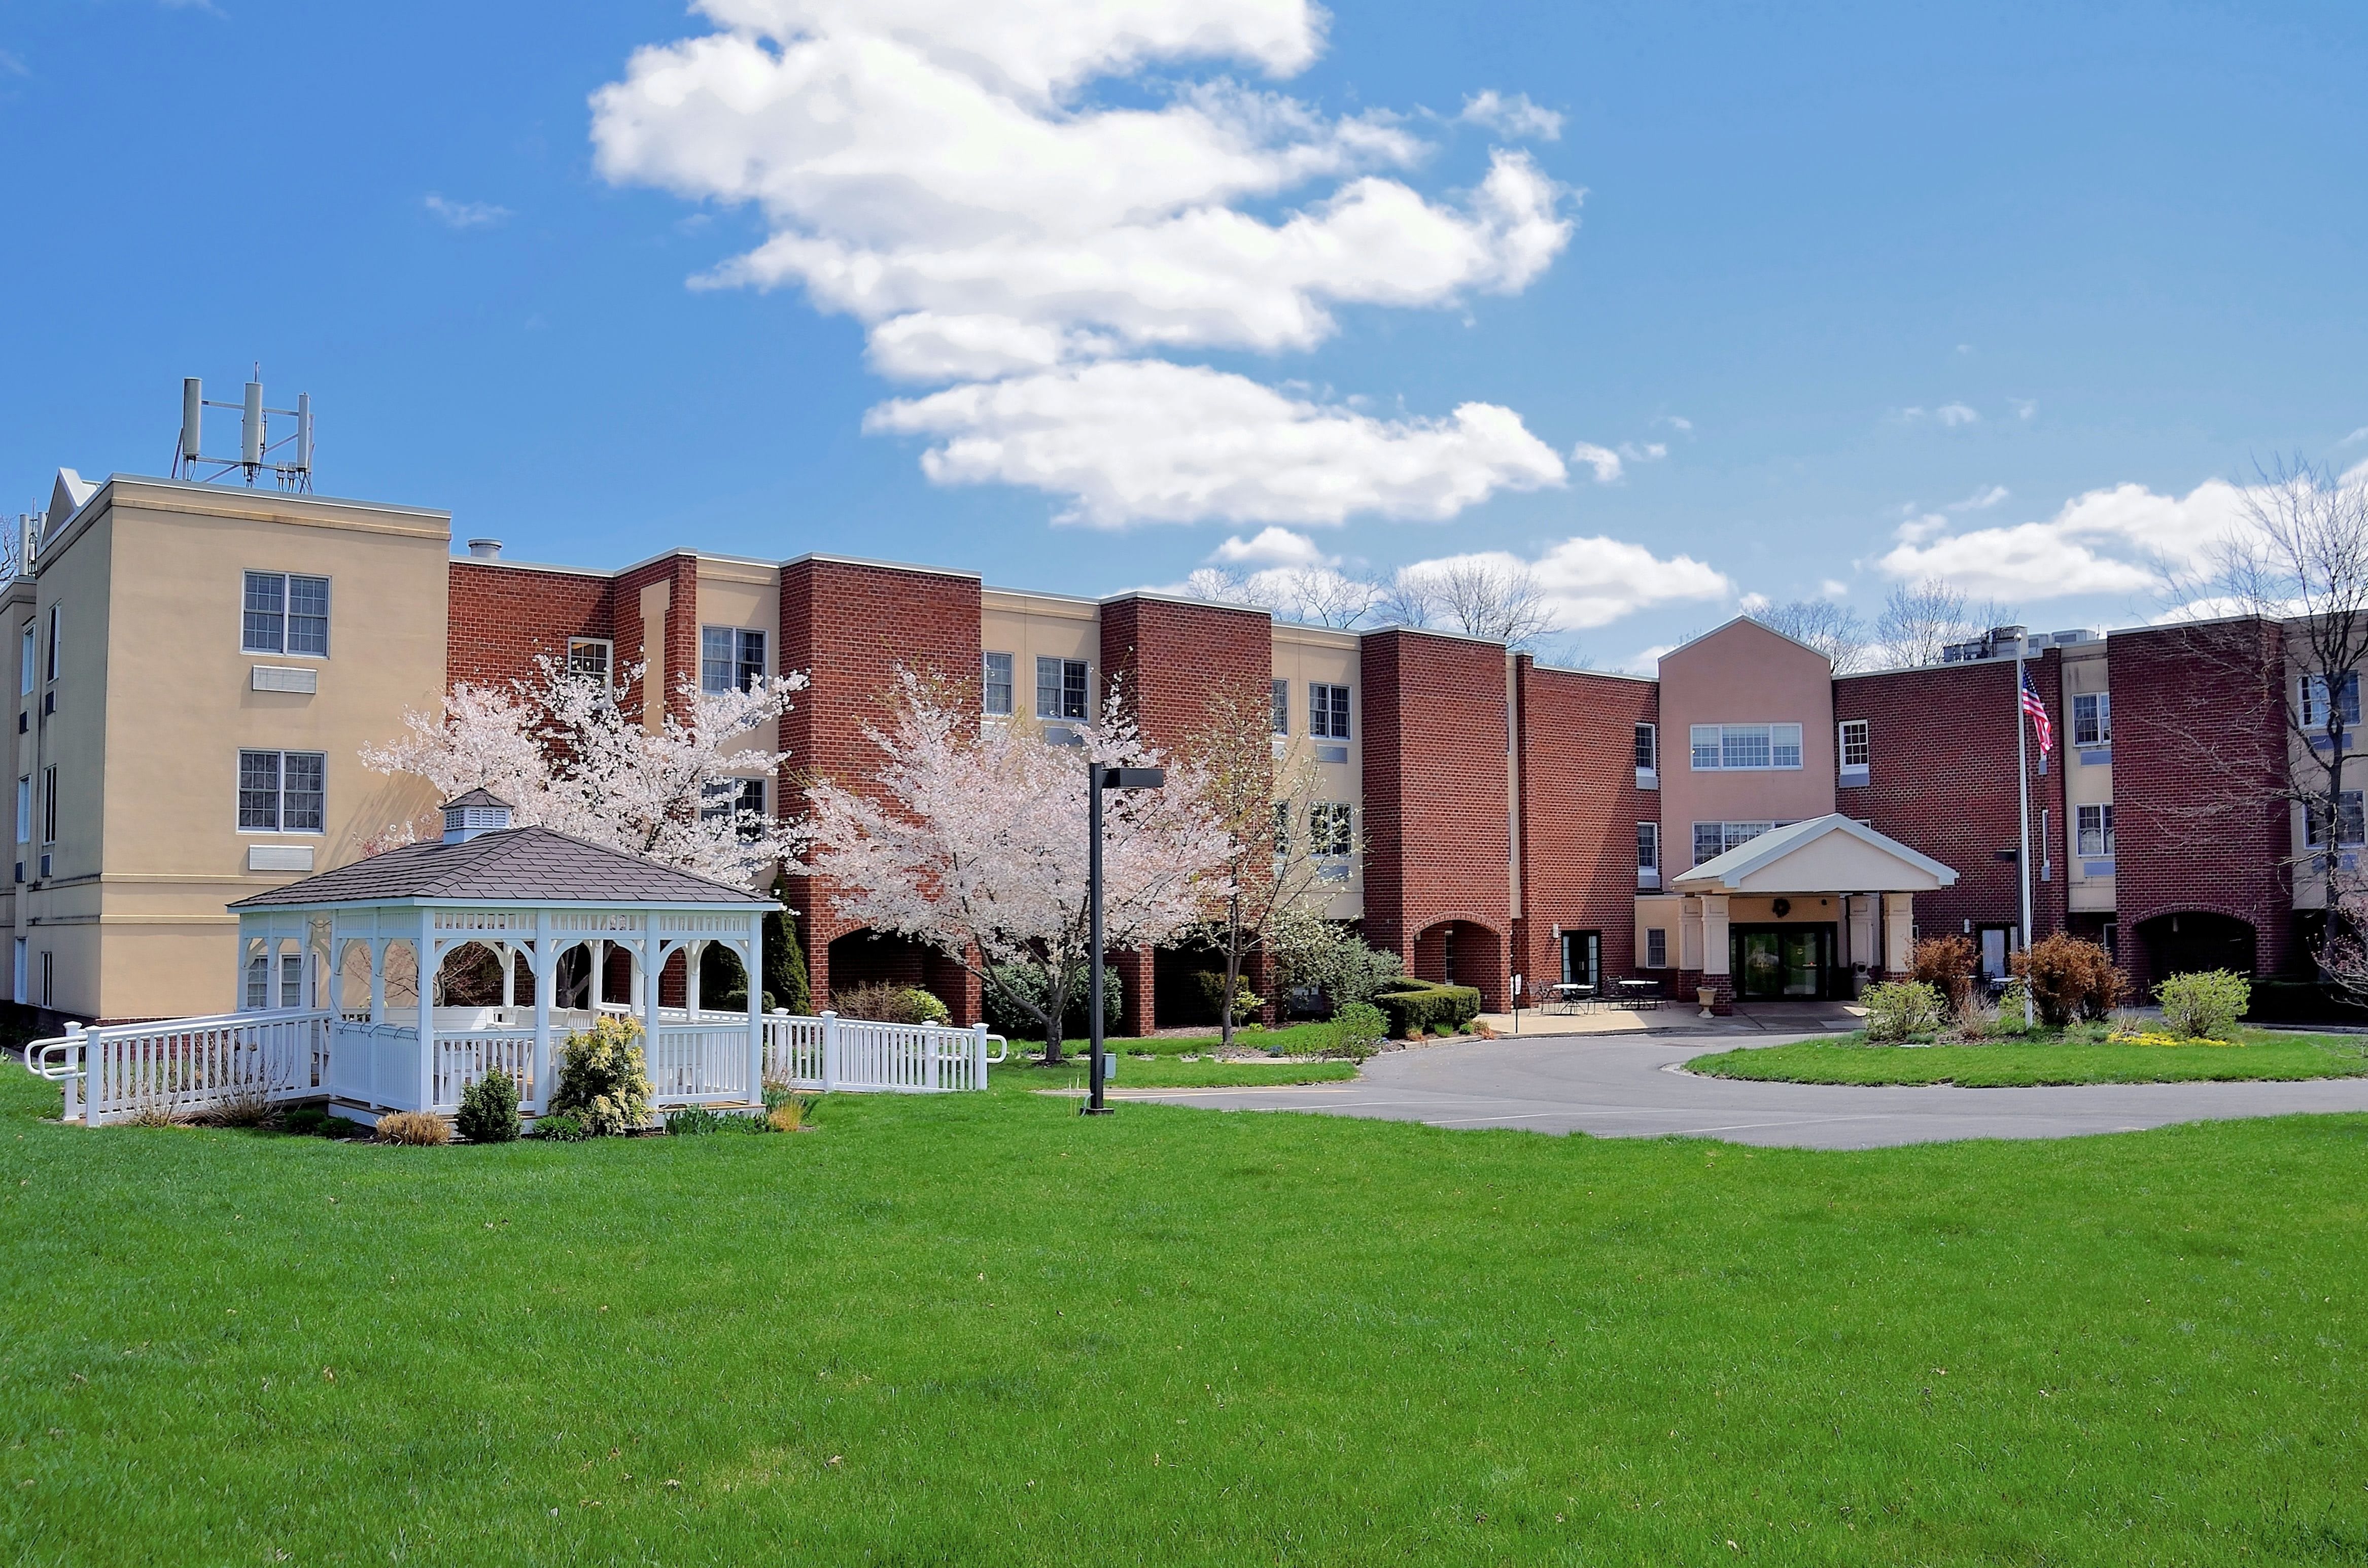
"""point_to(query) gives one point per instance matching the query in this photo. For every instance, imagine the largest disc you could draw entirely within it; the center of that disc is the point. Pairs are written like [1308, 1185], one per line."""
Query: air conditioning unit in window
[45, 865]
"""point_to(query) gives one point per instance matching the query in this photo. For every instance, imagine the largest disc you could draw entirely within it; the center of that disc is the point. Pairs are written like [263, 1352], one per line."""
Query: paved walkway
[1625, 1086]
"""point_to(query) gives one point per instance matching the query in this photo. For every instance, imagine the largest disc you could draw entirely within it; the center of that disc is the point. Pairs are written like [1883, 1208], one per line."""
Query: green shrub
[1416, 1004]
[1212, 983]
[603, 1079]
[305, 1121]
[2204, 1005]
[886, 1003]
[693, 1122]
[1899, 1009]
[1358, 1030]
[2070, 979]
[1029, 982]
[562, 1128]
[489, 1109]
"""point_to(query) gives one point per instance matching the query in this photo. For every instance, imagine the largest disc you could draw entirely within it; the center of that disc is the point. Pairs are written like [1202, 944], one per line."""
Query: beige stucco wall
[746, 594]
[1742, 674]
[2085, 670]
[1034, 626]
[157, 700]
[1306, 655]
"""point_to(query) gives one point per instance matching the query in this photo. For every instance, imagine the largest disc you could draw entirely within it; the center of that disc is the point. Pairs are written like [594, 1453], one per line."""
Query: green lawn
[983, 1329]
[1291, 1039]
[2014, 1064]
[1168, 1072]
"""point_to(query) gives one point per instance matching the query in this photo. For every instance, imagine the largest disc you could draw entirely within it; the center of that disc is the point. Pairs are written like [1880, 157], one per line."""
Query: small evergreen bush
[1211, 983]
[562, 1128]
[2204, 1005]
[603, 1078]
[886, 1004]
[2070, 979]
[489, 1109]
[1416, 1007]
[1900, 1008]
[1027, 981]
[1358, 1030]
[693, 1122]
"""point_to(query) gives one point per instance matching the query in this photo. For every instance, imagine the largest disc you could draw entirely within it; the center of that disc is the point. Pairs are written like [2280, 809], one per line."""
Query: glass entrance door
[1780, 962]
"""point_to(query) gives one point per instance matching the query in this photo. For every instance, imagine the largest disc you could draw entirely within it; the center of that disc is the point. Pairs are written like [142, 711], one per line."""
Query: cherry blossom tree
[563, 751]
[973, 840]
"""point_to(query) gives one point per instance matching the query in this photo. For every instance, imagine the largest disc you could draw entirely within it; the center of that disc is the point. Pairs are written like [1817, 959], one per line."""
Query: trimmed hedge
[1411, 1004]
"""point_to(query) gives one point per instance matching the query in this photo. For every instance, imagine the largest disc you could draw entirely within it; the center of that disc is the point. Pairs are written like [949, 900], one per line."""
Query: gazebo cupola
[479, 810]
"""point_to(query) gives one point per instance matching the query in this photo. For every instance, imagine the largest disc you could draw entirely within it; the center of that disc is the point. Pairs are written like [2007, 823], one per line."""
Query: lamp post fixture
[1100, 776]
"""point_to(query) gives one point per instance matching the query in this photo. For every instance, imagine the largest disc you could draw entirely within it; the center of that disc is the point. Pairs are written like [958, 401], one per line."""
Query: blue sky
[1854, 292]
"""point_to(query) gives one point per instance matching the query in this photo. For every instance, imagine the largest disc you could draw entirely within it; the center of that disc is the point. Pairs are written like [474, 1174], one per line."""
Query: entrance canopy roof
[1824, 855]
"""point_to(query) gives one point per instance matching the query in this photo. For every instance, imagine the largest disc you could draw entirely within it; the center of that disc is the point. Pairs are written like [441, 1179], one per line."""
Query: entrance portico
[1804, 912]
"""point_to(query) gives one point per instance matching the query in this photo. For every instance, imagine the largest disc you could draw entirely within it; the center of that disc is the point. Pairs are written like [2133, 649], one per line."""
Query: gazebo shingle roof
[519, 865]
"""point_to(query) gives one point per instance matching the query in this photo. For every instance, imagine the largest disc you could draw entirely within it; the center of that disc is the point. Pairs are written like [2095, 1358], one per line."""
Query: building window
[258, 984]
[2096, 828]
[49, 805]
[1582, 959]
[1648, 747]
[282, 791]
[2316, 711]
[2092, 718]
[1283, 708]
[994, 685]
[1331, 829]
[1648, 847]
[1657, 947]
[730, 658]
[1713, 839]
[2351, 827]
[291, 980]
[49, 980]
[1327, 711]
[1281, 829]
[26, 657]
[286, 614]
[1727, 747]
[590, 656]
[1857, 749]
[1062, 688]
[742, 799]
[53, 644]
[25, 809]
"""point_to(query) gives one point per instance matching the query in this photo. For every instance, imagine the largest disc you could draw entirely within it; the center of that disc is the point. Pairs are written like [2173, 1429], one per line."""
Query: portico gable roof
[1824, 855]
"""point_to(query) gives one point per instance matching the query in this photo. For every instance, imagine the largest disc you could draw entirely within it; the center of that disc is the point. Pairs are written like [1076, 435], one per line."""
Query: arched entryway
[1462, 953]
[2197, 940]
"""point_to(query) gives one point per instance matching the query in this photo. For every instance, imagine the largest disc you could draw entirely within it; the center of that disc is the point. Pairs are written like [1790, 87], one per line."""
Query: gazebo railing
[187, 1067]
[834, 1054]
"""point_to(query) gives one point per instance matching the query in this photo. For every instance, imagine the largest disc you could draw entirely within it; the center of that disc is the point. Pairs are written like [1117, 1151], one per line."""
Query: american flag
[2038, 712]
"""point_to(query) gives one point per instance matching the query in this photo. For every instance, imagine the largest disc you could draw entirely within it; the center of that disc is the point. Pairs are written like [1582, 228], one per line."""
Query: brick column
[1137, 1007]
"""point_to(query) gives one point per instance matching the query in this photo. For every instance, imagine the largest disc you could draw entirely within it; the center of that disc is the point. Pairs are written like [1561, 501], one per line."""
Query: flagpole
[2022, 854]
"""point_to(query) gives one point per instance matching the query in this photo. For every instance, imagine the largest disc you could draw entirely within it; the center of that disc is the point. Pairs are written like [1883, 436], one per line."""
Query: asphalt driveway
[1626, 1086]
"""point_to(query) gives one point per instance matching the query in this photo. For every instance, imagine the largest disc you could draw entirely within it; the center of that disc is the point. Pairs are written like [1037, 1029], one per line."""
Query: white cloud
[2024, 408]
[1271, 547]
[947, 175]
[934, 165]
[1981, 500]
[1646, 661]
[1593, 582]
[1516, 115]
[1752, 604]
[1676, 421]
[13, 65]
[1649, 452]
[2355, 438]
[1602, 460]
[1833, 588]
[1955, 413]
[1144, 440]
[2110, 541]
[464, 214]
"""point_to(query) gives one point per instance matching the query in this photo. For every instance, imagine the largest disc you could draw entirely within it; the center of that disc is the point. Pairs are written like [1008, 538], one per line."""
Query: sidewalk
[1748, 1019]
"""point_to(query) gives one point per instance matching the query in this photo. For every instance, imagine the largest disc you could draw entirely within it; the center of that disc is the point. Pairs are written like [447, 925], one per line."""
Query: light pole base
[1097, 1110]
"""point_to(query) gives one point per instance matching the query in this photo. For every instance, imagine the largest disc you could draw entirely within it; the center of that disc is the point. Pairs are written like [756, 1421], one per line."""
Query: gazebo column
[378, 949]
[691, 953]
[426, 969]
[752, 964]
[545, 972]
[645, 982]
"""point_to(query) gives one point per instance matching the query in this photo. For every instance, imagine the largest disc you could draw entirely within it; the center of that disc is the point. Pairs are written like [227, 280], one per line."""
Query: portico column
[1898, 929]
[1689, 933]
[1714, 920]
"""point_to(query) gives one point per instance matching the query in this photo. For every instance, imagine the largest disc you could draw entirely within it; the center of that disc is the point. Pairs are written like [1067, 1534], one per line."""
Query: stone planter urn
[1709, 1000]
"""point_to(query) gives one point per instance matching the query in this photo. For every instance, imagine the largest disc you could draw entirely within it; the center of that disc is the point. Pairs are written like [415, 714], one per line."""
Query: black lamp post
[1098, 778]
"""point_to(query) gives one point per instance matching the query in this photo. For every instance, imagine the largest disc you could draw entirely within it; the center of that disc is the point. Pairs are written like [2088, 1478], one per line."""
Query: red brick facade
[1580, 808]
[1437, 806]
[502, 617]
[1940, 780]
[852, 627]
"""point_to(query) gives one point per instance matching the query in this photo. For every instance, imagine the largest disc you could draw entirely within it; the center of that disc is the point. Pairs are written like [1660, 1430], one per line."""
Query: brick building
[1744, 823]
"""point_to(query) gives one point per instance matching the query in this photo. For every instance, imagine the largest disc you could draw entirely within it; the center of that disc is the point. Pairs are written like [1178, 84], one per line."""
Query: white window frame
[280, 792]
[1080, 689]
[2095, 727]
[1648, 847]
[29, 652]
[2311, 700]
[1657, 937]
[1331, 829]
[987, 684]
[738, 672]
[1281, 690]
[608, 647]
[1854, 735]
[728, 797]
[2092, 830]
[286, 614]
[2351, 822]
[1732, 835]
[1719, 743]
[1648, 748]
[1328, 719]
[49, 805]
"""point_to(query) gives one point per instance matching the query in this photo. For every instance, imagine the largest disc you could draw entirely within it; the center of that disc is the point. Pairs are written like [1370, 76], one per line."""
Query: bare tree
[1833, 630]
[1920, 620]
[1480, 596]
[2300, 563]
[1324, 597]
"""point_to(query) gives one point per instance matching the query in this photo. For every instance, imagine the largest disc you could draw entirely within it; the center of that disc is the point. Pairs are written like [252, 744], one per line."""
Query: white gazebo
[361, 950]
